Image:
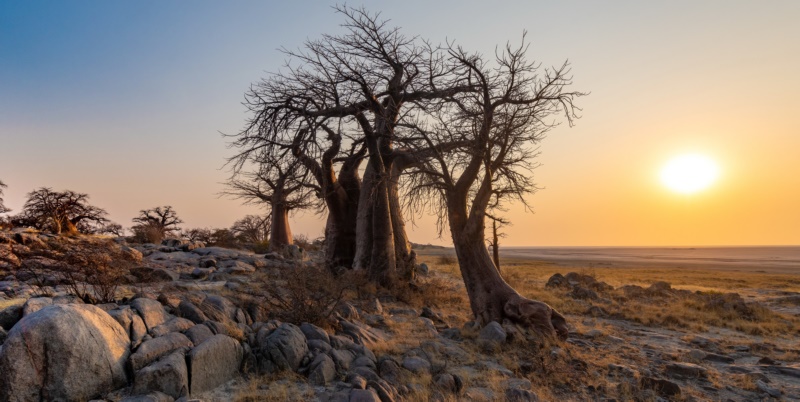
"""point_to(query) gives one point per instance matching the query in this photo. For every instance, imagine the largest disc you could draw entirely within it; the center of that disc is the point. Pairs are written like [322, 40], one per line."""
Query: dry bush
[429, 292]
[94, 271]
[446, 259]
[301, 294]
[147, 234]
[280, 387]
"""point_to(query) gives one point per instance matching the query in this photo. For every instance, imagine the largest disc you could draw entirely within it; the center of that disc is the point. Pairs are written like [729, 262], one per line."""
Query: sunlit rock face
[66, 352]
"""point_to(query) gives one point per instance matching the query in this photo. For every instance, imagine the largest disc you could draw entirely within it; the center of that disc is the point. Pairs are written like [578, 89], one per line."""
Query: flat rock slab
[214, 362]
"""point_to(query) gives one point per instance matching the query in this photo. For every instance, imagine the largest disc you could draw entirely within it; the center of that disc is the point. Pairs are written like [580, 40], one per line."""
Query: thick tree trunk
[340, 228]
[364, 220]
[406, 257]
[490, 297]
[280, 232]
[382, 266]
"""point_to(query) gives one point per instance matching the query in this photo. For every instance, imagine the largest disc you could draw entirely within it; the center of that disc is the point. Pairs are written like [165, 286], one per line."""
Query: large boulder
[168, 375]
[82, 348]
[285, 348]
[214, 362]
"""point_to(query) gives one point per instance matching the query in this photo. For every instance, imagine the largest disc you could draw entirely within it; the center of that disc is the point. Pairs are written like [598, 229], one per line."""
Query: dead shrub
[302, 294]
[446, 259]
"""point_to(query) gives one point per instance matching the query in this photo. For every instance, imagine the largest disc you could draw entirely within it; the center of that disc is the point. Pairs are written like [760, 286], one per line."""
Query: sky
[127, 100]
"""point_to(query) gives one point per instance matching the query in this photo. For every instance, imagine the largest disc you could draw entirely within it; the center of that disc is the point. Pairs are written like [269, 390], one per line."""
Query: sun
[688, 174]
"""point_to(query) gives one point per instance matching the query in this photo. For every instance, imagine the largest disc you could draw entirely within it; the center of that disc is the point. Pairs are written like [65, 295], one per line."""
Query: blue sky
[125, 100]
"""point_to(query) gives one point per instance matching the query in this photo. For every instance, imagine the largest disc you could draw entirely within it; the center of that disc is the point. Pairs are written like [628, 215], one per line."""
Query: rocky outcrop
[82, 344]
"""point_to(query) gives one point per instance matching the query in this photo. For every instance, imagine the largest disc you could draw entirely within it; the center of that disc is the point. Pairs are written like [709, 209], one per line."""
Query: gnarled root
[536, 315]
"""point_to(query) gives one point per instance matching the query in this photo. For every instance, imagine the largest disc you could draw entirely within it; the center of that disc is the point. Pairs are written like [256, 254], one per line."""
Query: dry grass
[278, 388]
[5, 303]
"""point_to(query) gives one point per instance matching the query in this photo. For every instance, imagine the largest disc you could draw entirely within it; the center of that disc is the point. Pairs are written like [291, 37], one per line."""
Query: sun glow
[688, 174]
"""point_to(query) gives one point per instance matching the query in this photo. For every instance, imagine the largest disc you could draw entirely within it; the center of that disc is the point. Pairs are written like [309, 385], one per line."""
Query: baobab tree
[516, 103]
[157, 222]
[359, 84]
[281, 186]
[61, 211]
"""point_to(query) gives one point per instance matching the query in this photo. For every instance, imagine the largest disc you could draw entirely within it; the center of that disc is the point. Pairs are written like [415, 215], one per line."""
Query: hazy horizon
[125, 101]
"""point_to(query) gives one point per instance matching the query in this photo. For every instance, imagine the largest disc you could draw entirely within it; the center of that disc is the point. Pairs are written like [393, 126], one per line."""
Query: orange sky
[126, 102]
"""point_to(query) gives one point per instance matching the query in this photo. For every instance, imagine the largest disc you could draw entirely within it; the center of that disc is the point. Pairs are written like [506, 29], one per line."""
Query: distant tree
[158, 221]
[251, 229]
[60, 212]
[112, 228]
[281, 186]
[3, 208]
[198, 234]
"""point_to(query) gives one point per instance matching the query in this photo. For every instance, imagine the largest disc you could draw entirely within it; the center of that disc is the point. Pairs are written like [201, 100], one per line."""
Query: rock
[151, 311]
[448, 383]
[423, 269]
[716, 358]
[207, 263]
[323, 370]
[685, 370]
[176, 324]
[151, 350]
[188, 310]
[168, 375]
[357, 381]
[285, 347]
[317, 346]
[84, 345]
[35, 304]
[130, 322]
[521, 383]
[347, 311]
[150, 274]
[492, 336]
[479, 394]
[582, 293]
[214, 362]
[199, 333]
[662, 387]
[363, 334]
[218, 308]
[154, 396]
[520, 395]
[389, 370]
[313, 332]
[342, 358]
[417, 365]
[557, 281]
[237, 268]
[10, 316]
[386, 392]
[763, 387]
[364, 395]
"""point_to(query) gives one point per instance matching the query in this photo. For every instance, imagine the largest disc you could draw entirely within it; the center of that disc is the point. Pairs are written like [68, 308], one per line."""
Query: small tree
[111, 228]
[156, 223]
[65, 211]
[251, 229]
